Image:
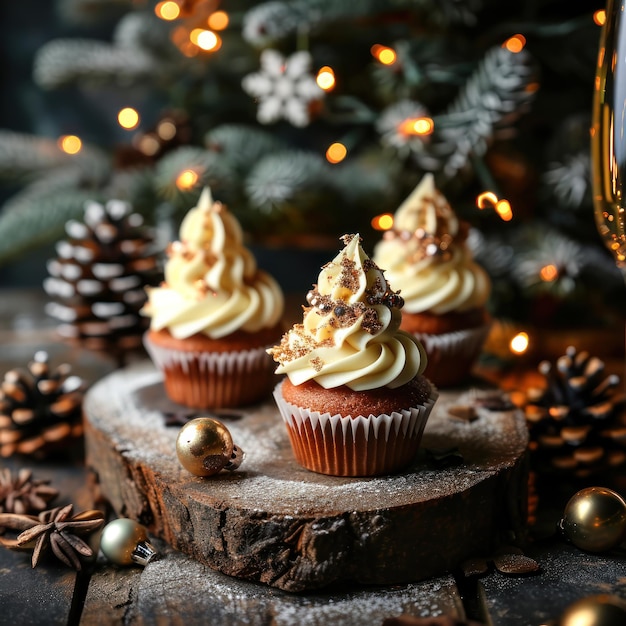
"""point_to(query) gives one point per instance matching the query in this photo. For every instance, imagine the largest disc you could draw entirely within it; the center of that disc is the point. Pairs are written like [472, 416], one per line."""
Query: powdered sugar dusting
[129, 406]
[241, 603]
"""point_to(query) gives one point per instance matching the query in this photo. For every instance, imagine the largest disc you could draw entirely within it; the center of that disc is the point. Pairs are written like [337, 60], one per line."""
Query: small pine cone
[97, 281]
[577, 423]
[40, 409]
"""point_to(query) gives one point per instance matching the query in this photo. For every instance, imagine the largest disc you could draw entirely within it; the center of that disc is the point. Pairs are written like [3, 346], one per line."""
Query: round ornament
[595, 519]
[599, 610]
[205, 447]
[125, 541]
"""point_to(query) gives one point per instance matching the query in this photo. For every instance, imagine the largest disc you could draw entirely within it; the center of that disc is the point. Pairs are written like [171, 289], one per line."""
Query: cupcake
[215, 314]
[445, 292]
[353, 399]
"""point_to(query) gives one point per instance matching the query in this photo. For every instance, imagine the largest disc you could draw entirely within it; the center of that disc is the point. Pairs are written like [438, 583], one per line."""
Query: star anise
[55, 528]
[22, 494]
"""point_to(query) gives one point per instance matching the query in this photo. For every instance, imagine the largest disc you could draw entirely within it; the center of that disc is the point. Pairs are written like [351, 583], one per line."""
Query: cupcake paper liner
[362, 446]
[206, 380]
[451, 355]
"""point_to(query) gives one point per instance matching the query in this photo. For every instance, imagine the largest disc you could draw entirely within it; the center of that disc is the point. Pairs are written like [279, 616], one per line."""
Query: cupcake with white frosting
[353, 400]
[445, 292]
[215, 314]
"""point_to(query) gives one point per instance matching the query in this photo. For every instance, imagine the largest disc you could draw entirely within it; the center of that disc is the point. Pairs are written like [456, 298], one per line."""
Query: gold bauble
[595, 519]
[205, 446]
[599, 610]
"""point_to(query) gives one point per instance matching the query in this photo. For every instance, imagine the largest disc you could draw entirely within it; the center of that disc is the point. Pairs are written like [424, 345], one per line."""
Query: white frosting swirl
[212, 283]
[350, 334]
[426, 257]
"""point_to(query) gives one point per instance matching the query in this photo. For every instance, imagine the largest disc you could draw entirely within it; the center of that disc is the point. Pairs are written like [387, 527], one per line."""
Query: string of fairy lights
[194, 35]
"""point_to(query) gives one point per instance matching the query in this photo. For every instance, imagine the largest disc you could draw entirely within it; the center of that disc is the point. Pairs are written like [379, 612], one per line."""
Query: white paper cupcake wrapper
[468, 341]
[408, 426]
[220, 363]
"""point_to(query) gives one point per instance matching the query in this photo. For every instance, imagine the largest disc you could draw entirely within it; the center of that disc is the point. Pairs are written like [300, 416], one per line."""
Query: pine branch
[65, 61]
[91, 11]
[494, 96]
[138, 30]
[36, 219]
[280, 179]
[268, 22]
[204, 165]
[24, 157]
[240, 147]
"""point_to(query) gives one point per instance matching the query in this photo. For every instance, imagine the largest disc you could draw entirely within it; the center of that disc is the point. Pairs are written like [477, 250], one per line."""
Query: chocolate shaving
[516, 564]
[463, 413]
[440, 459]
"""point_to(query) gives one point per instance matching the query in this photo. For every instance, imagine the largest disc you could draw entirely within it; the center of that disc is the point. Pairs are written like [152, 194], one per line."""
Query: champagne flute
[608, 140]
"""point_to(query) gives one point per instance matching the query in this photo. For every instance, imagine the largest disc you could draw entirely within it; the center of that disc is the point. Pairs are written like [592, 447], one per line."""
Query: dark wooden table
[175, 589]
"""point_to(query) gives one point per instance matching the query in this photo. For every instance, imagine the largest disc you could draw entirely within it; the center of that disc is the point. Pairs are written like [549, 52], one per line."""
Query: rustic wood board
[275, 522]
[176, 589]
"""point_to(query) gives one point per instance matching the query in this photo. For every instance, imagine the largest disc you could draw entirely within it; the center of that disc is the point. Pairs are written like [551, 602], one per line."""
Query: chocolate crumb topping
[349, 277]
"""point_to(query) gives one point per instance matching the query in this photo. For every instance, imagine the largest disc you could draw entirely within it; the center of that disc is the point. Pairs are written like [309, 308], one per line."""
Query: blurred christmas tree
[310, 118]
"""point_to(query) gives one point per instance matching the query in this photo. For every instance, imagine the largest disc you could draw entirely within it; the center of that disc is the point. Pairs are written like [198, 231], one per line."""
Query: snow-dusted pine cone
[40, 408]
[577, 424]
[97, 281]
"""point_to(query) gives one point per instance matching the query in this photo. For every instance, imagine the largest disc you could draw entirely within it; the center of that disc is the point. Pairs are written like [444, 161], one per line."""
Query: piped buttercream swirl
[350, 330]
[426, 257]
[212, 284]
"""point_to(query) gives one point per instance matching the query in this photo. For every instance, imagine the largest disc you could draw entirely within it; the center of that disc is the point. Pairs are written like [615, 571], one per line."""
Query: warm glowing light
[167, 10]
[548, 273]
[486, 198]
[195, 33]
[336, 153]
[166, 130]
[387, 56]
[218, 20]
[70, 144]
[382, 222]
[187, 179]
[208, 40]
[188, 49]
[128, 118]
[326, 78]
[599, 17]
[519, 343]
[417, 126]
[148, 145]
[501, 207]
[205, 39]
[515, 43]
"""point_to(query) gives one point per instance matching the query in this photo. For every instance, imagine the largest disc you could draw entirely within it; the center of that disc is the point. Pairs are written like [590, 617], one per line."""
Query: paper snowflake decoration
[283, 87]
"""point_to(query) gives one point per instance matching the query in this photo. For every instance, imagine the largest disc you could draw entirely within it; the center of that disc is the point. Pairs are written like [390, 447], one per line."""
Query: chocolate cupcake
[354, 401]
[426, 257]
[215, 314]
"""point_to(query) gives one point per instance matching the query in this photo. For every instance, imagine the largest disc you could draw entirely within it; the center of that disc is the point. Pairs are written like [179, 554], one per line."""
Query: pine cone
[577, 424]
[40, 410]
[97, 282]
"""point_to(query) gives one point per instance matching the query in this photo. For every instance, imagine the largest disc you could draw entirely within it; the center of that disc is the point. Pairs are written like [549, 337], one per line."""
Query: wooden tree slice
[273, 521]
